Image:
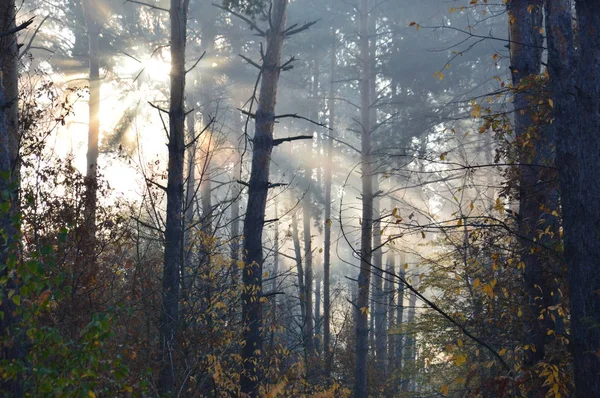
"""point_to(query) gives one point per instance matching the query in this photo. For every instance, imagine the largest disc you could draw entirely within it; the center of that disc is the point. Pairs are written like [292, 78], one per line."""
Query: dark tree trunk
[9, 190]
[535, 198]
[577, 160]
[257, 200]
[300, 272]
[91, 180]
[308, 322]
[9, 64]
[399, 338]
[173, 260]
[328, 357]
[235, 207]
[362, 301]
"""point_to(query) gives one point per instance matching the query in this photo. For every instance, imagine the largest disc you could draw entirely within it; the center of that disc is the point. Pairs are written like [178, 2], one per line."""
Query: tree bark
[9, 189]
[91, 179]
[362, 325]
[525, 23]
[257, 199]
[9, 63]
[328, 357]
[173, 260]
[577, 161]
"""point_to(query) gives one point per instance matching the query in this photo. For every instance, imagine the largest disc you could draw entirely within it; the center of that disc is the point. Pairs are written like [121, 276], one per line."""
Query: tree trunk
[173, 260]
[410, 347]
[235, 207]
[257, 200]
[308, 275]
[362, 325]
[328, 357]
[577, 160]
[91, 179]
[9, 186]
[187, 272]
[9, 64]
[380, 295]
[525, 22]
[391, 309]
[399, 338]
[300, 272]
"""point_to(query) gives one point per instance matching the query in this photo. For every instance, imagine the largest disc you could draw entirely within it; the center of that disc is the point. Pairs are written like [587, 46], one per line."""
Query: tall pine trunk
[328, 357]
[9, 196]
[525, 22]
[257, 199]
[362, 301]
[173, 259]
[577, 160]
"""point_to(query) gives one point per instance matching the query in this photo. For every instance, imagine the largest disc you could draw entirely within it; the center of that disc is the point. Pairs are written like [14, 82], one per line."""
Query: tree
[258, 186]
[362, 302]
[174, 234]
[576, 162]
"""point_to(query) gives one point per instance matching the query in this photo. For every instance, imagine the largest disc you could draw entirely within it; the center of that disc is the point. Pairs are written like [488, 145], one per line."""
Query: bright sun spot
[157, 69]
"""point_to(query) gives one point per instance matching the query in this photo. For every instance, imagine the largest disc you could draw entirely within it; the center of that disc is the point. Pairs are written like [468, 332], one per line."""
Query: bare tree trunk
[9, 184]
[526, 57]
[257, 199]
[380, 295]
[190, 192]
[308, 275]
[390, 292]
[91, 181]
[173, 260]
[409, 349]
[235, 207]
[328, 222]
[362, 326]
[300, 271]
[577, 160]
[399, 338]
[9, 64]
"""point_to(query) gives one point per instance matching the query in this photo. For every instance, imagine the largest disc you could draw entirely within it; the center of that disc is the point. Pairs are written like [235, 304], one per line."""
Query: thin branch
[196, 63]
[280, 141]
[33, 36]
[253, 26]
[148, 5]
[251, 62]
[296, 116]
[290, 31]
[16, 29]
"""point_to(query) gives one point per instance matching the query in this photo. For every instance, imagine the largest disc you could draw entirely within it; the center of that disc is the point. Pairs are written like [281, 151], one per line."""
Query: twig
[16, 29]
[148, 5]
[280, 141]
[243, 18]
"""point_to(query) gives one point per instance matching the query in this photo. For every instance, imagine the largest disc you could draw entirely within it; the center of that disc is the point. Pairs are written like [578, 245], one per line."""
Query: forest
[299, 198]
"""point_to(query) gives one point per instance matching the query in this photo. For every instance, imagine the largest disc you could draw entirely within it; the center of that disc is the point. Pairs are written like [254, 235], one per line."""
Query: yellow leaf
[460, 359]
[495, 57]
[364, 310]
[443, 156]
[406, 266]
[444, 390]
[459, 223]
[551, 102]
[91, 394]
[476, 283]
[460, 343]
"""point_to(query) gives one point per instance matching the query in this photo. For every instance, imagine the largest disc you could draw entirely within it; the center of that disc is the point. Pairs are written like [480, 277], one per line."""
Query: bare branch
[16, 29]
[280, 141]
[147, 5]
[33, 36]
[291, 31]
[196, 63]
[251, 62]
[296, 116]
[251, 23]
